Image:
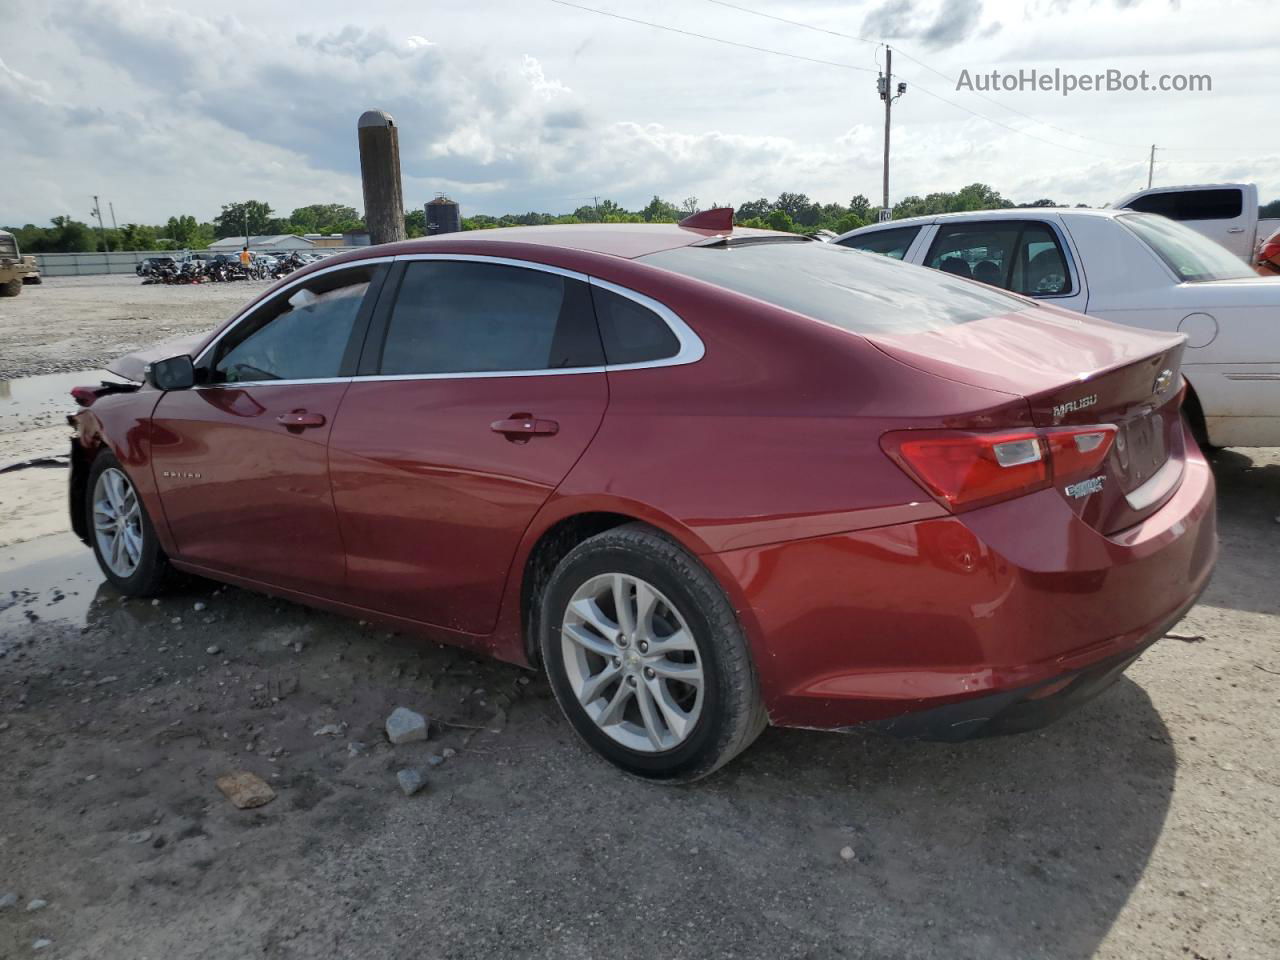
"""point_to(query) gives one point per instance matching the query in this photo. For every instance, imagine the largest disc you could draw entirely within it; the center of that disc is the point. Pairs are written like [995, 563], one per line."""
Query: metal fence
[90, 264]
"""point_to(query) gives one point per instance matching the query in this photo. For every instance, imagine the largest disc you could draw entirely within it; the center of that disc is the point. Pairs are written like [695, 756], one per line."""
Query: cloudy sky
[512, 105]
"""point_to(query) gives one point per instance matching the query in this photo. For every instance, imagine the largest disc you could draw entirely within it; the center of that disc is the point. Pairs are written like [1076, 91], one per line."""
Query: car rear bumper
[991, 621]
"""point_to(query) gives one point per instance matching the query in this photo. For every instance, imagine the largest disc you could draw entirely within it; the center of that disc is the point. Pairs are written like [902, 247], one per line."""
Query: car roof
[1007, 213]
[628, 240]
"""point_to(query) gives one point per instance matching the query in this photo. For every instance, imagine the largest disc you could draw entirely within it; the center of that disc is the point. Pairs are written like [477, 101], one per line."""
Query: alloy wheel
[117, 522]
[632, 662]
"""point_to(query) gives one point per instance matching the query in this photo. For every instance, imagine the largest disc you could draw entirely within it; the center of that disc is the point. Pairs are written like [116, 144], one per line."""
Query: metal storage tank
[443, 216]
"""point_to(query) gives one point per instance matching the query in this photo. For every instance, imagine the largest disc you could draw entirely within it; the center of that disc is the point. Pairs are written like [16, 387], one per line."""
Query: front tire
[123, 538]
[646, 657]
[11, 288]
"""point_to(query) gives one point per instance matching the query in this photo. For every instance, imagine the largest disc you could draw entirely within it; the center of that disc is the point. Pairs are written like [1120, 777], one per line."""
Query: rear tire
[121, 532]
[659, 682]
[11, 288]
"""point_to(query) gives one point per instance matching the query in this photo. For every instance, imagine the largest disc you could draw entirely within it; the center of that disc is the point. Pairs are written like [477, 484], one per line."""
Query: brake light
[968, 469]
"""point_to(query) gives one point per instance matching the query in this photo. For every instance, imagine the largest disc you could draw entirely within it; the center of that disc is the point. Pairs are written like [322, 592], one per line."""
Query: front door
[487, 387]
[241, 460]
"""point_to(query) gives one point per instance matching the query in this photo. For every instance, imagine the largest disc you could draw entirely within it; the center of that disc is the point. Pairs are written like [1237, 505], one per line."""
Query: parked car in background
[15, 269]
[1133, 268]
[1226, 213]
[1267, 259]
[150, 266]
[707, 478]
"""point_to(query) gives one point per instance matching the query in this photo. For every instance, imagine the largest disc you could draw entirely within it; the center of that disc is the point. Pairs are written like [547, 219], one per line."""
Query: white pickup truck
[1224, 212]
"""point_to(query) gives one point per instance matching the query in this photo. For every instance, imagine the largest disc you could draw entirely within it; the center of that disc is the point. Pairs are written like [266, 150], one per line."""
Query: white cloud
[165, 109]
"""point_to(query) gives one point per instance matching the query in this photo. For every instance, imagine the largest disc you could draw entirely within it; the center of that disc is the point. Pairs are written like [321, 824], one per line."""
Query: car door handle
[1235, 230]
[524, 425]
[296, 419]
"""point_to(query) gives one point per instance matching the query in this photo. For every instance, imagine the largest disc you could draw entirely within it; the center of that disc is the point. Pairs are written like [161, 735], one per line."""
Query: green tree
[325, 218]
[183, 232]
[134, 236]
[1271, 209]
[780, 220]
[234, 217]
[660, 211]
[753, 210]
[860, 207]
[415, 223]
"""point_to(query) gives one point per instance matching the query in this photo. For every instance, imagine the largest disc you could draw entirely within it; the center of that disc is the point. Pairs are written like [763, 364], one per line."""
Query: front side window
[1022, 256]
[455, 316]
[304, 334]
[891, 243]
[1190, 255]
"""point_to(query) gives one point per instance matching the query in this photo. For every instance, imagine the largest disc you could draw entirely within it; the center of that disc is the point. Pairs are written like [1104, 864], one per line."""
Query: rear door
[241, 460]
[485, 383]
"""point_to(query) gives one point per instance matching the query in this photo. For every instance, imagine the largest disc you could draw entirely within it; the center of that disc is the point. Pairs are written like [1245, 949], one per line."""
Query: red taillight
[967, 469]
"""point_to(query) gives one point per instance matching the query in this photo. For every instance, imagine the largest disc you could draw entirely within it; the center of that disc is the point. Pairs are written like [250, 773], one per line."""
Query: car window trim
[917, 227]
[366, 311]
[691, 346]
[1063, 248]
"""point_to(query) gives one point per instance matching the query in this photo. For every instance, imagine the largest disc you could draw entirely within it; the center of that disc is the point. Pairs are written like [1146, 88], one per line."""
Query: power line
[797, 23]
[703, 36]
[830, 63]
[949, 79]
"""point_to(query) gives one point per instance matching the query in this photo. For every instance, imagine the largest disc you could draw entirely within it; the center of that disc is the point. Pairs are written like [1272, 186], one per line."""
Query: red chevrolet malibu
[708, 479]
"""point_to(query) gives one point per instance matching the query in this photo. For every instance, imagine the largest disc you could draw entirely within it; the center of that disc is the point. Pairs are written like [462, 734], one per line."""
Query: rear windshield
[1192, 256]
[862, 292]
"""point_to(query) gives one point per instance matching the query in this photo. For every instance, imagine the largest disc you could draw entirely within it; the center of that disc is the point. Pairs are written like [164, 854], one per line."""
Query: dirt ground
[1144, 826]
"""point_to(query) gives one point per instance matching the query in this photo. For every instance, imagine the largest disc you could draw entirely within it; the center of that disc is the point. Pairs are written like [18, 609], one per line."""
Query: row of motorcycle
[219, 269]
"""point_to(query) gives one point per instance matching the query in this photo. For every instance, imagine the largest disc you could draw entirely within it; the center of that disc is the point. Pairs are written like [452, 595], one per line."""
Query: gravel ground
[1143, 827]
[81, 323]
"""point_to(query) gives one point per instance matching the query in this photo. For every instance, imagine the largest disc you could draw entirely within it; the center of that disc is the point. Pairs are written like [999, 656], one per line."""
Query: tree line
[794, 212]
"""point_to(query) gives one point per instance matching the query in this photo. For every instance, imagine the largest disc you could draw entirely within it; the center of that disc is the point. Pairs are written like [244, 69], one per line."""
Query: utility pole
[596, 201]
[1151, 167]
[246, 223]
[887, 94]
[112, 207]
[102, 230]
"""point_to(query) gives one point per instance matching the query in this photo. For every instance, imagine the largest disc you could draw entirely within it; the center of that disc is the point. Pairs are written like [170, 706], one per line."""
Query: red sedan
[708, 479]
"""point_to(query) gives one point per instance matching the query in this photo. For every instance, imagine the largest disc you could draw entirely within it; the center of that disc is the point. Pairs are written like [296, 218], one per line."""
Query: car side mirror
[175, 373]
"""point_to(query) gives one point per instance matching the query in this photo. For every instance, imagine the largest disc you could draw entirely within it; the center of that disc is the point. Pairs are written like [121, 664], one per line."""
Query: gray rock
[198, 606]
[212, 649]
[405, 726]
[41, 944]
[330, 730]
[448, 752]
[8, 901]
[141, 836]
[411, 781]
[35, 905]
[357, 748]
[435, 760]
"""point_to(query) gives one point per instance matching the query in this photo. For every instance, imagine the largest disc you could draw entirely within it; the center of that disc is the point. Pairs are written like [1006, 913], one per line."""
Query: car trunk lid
[1075, 371]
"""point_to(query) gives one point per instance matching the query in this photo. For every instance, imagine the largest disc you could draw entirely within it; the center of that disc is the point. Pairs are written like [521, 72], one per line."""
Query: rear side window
[892, 243]
[1192, 256]
[847, 288]
[1219, 204]
[454, 316]
[1019, 255]
[632, 333]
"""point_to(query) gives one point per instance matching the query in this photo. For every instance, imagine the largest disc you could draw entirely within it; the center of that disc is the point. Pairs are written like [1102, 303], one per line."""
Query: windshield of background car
[1192, 256]
[862, 292]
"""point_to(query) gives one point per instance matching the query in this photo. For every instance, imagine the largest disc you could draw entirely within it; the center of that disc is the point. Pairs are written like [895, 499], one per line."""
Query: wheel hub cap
[632, 662]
